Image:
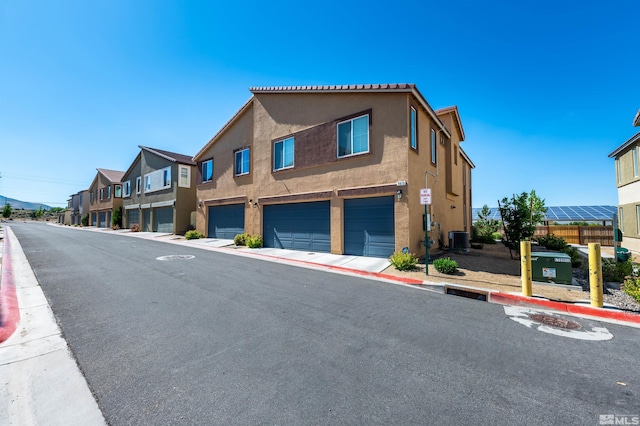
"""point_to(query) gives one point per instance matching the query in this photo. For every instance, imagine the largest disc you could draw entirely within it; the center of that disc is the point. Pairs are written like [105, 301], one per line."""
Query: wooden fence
[579, 234]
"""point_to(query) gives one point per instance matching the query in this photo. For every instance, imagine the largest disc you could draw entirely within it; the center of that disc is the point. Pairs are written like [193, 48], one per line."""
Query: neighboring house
[159, 191]
[627, 160]
[636, 119]
[105, 197]
[78, 206]
[336, 169]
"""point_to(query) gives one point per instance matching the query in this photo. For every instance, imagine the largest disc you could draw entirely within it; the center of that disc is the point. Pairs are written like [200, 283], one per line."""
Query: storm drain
[466, 292]
[555, 322]
[176, 257]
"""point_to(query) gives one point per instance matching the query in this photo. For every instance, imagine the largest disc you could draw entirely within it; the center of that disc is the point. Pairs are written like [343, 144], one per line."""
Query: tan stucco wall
[624, 164]
[276, 115]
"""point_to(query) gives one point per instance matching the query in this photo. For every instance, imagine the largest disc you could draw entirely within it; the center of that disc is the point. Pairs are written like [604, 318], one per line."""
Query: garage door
[94, 219]
[146, 220]
[133, 216]
[226, 222]
[369, 226]
[163, 219]
[102, 219]
[298, 226]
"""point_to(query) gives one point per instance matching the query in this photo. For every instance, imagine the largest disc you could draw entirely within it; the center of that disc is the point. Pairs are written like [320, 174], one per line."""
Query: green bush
[613, 271]
[576, 258]
[254, 241]
[240, 239]
[403, 261]
[85, 220]
[632, 288]
[552, 242]
[445, 265]
[193, 235]
[496, 236]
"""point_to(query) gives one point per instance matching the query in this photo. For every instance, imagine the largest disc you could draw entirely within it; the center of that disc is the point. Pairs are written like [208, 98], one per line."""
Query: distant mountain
[21, 205]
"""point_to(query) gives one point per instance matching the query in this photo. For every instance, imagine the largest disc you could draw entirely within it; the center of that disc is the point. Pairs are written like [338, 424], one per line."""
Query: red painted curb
[514, 299]
[9, 309]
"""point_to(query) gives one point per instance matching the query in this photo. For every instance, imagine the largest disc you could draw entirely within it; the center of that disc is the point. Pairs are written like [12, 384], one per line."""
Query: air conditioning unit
[458, 240]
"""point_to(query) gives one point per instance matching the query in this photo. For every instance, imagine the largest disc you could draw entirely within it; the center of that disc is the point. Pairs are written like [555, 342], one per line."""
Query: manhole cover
[555, 322]
[176, 257]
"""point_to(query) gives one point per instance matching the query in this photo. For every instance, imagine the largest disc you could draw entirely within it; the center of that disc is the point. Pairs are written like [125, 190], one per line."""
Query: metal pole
[426, 241]
[525, 268]
[595, 275]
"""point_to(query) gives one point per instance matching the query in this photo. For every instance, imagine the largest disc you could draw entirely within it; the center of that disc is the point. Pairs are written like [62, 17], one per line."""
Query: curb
[9, 309]
[575, 309]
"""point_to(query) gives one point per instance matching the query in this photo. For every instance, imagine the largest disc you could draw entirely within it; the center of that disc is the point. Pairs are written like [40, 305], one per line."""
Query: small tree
[116, 219]
[484, 228]
[85, 220]
[6, 211]
[520, 215]
[39, 212]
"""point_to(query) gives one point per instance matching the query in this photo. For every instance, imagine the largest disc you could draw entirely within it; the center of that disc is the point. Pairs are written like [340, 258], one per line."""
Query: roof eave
[625, 145]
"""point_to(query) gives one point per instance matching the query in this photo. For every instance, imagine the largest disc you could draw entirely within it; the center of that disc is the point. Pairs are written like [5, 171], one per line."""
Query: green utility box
[551, 267]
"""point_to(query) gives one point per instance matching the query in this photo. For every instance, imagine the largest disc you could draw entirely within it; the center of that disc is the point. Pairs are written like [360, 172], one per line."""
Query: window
[618, 171]
[127, 189]
[621, 219]
[283, 154]
[166, 177]
[242, 161]
[138, 184]
[434, 147]
[353, 136]
[147, 183]
[638, 217]
[101, 193]
[184, 179]
[118, 191]
[635, 161]
[207, 171]
[91, 196]
[108, 192]
[414, 129]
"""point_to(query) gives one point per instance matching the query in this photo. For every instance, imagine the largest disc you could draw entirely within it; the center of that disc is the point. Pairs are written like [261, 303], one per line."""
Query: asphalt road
[222, 339]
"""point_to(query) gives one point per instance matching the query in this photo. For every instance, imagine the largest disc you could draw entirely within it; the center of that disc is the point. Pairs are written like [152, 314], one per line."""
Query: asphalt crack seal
[176, 257]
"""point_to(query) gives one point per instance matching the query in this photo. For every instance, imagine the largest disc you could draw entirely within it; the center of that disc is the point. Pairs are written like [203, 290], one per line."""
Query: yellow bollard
[595, 275]
[525, 267]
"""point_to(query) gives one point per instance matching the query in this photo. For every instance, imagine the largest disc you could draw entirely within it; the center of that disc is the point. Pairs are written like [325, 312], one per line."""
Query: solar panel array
[566, 213]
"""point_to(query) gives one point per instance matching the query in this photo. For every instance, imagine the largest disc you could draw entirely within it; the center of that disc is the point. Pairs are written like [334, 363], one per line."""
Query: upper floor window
[127, 189]
[434, 147]
[414, 128]
[138, 184]
[166, 177]
[207, 171]
[184, 176]
[635, 161]
[101, 193]
[621, 218]
[108, 192]
[618, 170]
[91, 197]
[147, 183]
[118, 191]
[353, 136]
[283, 154]
[243, 158]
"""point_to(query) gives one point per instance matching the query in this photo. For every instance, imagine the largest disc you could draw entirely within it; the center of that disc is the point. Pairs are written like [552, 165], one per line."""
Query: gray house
[79, 206]
[159, 191]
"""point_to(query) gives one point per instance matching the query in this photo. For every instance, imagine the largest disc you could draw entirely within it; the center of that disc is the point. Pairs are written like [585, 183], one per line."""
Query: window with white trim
[166, 177]
[184, 176]
[434, 147]
[353, 136]
[414, 128]
[126, 186]
[283, 154]
[207, 171]
[635, 161]
[108, 192]
[138, 184]
[147, 183]
[621, 219]
[243, 159]
[618, 171]
[118, 191]
[101, 193]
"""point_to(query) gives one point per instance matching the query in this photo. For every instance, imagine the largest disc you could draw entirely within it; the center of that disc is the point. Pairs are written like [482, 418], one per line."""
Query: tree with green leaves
[484, 228]
[7, 210]
[116, 219]
[520, 214]
[39, 212]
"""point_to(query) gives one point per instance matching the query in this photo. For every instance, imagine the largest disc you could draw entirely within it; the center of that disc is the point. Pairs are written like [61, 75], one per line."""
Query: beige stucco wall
[277, 115]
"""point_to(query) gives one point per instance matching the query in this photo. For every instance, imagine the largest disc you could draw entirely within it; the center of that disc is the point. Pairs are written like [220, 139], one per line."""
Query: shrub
[193, 235]
[240, 239]
[254, 241]
[496, 236]
[403, 261]
[552, 242]
[613, 271]
[85, 220]
[576, 258]
[445, 265]
[632, 288]
[135, 228]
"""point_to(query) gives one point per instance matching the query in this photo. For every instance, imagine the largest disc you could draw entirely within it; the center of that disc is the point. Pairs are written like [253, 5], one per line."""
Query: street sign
[425, 196]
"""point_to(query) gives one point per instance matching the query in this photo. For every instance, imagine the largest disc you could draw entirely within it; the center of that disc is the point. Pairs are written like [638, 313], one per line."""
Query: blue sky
[545, 89]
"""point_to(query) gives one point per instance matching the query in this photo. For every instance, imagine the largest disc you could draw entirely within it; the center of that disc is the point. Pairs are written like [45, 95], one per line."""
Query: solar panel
[565, 213]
